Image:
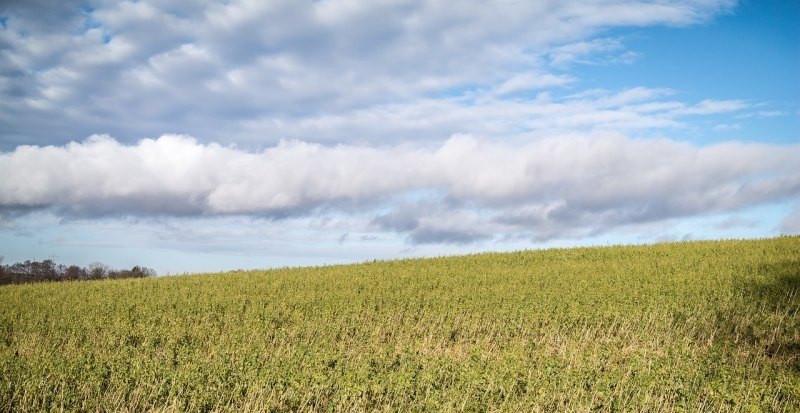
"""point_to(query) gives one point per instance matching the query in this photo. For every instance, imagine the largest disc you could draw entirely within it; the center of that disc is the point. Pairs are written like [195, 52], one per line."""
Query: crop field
[698, 326]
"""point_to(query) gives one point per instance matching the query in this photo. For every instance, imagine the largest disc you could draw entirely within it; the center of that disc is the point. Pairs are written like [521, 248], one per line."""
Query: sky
[192, 136]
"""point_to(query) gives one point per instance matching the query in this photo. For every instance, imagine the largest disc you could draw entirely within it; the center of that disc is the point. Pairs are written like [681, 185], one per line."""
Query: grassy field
[700, 326]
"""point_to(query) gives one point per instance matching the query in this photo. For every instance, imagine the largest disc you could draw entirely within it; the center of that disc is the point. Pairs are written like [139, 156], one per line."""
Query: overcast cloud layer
[421, 121]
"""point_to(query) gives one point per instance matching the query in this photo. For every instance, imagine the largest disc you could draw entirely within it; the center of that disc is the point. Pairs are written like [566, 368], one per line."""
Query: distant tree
[141, 272]
[118, 274]
[74, 272]
[47, 270]
[21, 271]
[5, 278]
[98, 270]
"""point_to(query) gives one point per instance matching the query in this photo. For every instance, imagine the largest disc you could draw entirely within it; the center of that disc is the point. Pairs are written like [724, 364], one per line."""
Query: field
[699, 326]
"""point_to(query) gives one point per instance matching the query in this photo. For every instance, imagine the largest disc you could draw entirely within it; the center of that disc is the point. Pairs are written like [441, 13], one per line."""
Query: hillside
[681, 326]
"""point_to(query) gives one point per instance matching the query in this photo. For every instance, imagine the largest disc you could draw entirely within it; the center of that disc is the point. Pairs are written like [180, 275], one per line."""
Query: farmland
[711, 325]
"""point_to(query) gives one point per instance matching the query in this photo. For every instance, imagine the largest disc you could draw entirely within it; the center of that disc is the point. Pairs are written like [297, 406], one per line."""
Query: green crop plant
[698, 326]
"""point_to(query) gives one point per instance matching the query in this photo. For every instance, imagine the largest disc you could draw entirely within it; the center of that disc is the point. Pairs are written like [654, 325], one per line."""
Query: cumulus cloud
[135, 69]
[462, 190]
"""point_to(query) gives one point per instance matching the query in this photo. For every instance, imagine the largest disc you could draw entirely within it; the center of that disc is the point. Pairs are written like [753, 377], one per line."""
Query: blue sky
[201, 136]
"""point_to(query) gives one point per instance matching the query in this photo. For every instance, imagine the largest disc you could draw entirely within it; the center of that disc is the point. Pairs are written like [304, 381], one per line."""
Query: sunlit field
[708, 326]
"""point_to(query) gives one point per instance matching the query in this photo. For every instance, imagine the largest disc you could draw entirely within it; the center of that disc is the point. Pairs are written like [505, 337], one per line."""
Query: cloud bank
[464, 189]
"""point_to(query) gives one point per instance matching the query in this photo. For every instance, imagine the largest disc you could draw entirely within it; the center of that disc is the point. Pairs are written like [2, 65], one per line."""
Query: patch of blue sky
[464, 93]
[754, 222]
[751, 54]
[753, 51]
[755, 124]
[89, 22]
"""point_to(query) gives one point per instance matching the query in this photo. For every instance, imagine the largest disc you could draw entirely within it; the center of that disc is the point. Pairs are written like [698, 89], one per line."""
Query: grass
[700, 326]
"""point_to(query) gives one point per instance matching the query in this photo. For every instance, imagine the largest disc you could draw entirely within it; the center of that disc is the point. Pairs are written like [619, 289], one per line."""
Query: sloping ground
[685, 326]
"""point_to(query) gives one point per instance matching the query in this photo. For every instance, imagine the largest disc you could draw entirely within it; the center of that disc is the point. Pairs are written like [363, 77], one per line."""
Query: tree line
[47, 270]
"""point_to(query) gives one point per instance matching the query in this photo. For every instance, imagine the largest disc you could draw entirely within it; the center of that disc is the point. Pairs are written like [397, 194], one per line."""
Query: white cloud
[532, 81]
[143, 68]
[595, 51]
[770, 113]
[481, 188]
[710, 106]
[486, 114]
[727, 127]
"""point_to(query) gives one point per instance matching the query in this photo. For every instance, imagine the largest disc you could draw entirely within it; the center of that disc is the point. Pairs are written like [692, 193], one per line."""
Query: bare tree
[98, 270]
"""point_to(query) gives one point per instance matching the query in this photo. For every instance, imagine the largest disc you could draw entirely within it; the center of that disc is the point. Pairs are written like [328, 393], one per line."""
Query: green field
[699, 326]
